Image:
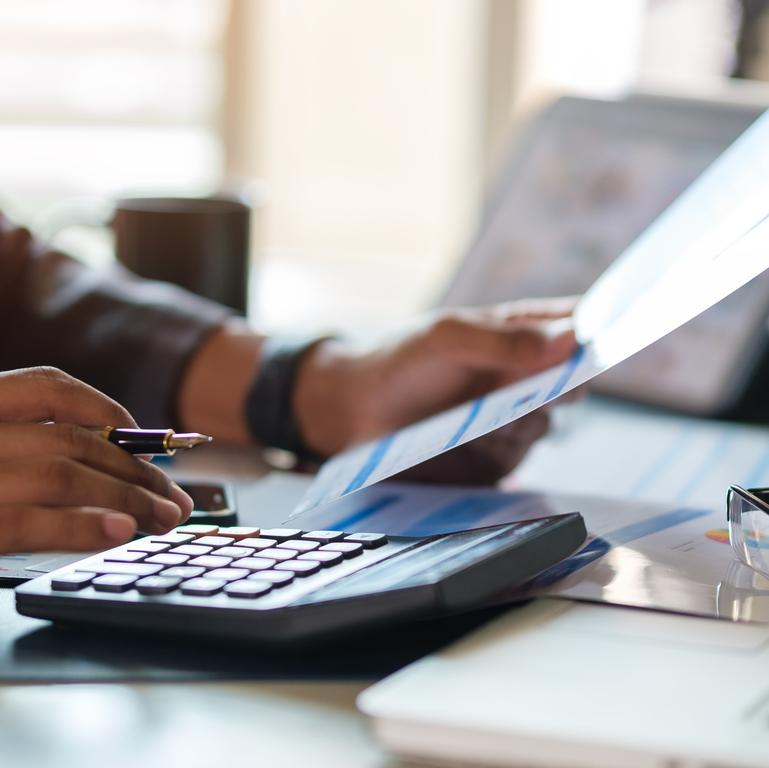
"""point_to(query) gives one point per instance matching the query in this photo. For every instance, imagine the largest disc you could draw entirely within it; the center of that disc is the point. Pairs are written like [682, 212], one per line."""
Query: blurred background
[366, 132]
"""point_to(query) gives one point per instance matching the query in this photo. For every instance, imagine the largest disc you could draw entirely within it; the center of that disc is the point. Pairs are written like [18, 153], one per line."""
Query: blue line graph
[376, 455]
[475, 409]
[560, 385]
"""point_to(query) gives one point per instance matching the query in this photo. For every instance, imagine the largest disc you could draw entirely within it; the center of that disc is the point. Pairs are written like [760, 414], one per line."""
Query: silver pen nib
[187, 440]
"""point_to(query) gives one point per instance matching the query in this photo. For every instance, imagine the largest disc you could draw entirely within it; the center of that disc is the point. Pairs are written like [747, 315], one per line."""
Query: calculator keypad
[113, 582]
[157, 585]
[204, 561]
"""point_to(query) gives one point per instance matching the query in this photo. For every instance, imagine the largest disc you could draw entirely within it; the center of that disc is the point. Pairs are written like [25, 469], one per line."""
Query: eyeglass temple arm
[762, 494]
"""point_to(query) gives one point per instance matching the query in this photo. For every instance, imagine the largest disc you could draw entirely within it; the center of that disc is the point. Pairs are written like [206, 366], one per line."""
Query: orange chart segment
[721, 535]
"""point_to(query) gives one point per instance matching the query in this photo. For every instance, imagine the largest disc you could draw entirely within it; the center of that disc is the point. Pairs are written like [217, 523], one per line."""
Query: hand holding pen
[63, 486]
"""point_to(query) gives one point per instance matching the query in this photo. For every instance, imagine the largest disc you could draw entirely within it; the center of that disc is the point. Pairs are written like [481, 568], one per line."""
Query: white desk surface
[198, 725]
[316, 723]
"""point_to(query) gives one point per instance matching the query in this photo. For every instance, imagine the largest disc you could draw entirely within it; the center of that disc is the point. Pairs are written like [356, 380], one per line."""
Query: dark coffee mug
[200, 244]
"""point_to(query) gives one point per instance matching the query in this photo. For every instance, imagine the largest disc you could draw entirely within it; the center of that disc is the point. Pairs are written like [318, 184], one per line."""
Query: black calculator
[282, 585]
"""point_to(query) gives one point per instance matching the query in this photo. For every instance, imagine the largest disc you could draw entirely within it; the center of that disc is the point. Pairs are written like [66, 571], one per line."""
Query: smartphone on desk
[213, 503]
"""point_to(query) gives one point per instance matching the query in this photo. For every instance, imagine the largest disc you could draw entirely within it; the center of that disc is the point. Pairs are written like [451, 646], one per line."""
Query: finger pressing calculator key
[277, 585]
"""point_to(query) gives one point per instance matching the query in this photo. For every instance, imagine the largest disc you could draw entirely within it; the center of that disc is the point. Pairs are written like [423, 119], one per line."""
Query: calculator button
[346, 548]
[228, 574]
[326, 559]
[190, 549]
[168, 559]
[324, 537]
[299, 545]
[276, 578]
[299, 567]
[211, 561]
[114, 582]
[257, 543]
[71, 582]
[255, 563]
[248, 588]
[174, 538]
[153, 547]
[214, 541]
[281, 534]
[157, 585]
[278, 554]
[239, 532]
[184, 572]
[369, 540]
[124, 557]
[234, 551]
[128, 569]
[202, 586]
[199, 530]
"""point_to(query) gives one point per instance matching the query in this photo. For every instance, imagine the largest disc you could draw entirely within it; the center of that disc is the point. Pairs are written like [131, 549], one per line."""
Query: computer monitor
[585, 180]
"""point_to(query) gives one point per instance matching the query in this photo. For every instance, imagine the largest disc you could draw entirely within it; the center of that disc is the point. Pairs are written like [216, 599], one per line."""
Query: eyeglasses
[748, 514]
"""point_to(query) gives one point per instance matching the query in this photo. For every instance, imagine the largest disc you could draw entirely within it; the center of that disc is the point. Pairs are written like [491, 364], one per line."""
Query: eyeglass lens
[749, 532]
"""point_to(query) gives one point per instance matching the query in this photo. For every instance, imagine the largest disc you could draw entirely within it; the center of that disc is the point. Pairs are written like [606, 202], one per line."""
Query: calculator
[286, 585]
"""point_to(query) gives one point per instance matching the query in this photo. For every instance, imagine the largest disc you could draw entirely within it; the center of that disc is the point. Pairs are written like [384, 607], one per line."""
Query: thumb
[513, 349]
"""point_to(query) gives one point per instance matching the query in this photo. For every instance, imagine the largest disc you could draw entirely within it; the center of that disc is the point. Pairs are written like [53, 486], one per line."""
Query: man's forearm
[130, 338]
[216, 382]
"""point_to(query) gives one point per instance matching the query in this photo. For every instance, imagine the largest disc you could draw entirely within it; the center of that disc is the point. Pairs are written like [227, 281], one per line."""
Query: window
[99, 98]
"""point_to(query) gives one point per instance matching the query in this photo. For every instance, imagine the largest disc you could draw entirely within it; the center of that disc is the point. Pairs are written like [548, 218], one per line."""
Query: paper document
[711, 241]
[638, 553]
[679, 561]
[608, 448]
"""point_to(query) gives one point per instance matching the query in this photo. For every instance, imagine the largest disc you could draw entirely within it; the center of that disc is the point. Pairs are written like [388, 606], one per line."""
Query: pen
[152, 442]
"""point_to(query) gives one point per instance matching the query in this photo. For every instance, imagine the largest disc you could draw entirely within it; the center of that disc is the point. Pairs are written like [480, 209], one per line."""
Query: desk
[268, 723]
[198, 725]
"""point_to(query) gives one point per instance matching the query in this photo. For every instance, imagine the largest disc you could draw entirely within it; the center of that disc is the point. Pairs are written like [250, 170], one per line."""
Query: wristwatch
[269, 404]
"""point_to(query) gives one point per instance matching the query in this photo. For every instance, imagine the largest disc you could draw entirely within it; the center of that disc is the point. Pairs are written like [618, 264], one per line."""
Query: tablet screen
[585, 181]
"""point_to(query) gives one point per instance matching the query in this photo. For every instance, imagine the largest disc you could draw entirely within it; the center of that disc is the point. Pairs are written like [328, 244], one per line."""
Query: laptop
[583, 686]
[586, 178]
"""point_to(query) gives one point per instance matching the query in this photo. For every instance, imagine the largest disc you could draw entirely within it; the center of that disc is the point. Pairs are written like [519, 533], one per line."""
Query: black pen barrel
[141, 441]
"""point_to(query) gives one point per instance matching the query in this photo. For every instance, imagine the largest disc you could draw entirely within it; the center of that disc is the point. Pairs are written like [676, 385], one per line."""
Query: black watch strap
[269, 405]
